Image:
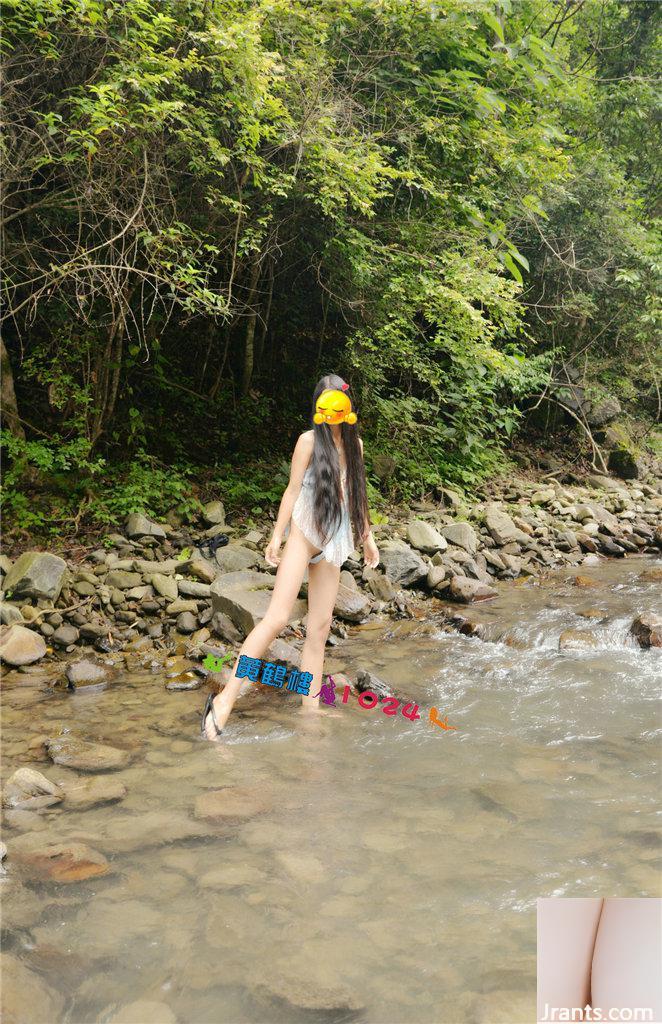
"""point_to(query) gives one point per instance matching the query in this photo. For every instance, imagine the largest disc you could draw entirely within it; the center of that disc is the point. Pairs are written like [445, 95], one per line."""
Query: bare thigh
[566, 936]
[323, 580]
[627, 971]
[290, 572]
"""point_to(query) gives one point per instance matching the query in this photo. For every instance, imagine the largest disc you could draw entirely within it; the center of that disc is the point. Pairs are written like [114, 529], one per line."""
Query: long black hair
[325, 466]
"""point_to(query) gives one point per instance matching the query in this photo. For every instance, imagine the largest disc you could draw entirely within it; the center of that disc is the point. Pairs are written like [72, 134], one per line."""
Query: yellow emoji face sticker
[334, 407]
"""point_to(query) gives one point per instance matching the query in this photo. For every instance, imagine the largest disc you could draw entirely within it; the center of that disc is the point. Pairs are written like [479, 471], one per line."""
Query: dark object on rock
[212, 544]
[647, 629]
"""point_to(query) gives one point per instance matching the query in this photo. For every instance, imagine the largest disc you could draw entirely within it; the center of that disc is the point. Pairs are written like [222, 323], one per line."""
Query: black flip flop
[209, 706]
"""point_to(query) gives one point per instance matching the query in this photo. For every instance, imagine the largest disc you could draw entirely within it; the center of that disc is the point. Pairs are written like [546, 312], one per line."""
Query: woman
[326, 502]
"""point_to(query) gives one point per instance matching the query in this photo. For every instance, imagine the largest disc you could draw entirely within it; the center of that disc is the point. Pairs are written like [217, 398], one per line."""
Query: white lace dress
[341, 543]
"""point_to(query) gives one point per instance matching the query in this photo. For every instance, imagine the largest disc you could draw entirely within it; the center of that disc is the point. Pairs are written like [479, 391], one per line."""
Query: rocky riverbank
[166, 594]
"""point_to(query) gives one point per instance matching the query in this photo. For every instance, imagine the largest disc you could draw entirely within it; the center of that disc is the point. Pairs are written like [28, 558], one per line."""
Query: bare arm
[303, 451]
[370, 550]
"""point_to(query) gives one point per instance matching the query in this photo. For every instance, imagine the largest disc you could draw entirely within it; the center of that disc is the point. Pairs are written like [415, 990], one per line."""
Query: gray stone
[65, 635]
[214, 513]
[192, 588]
[500, 525]
[244, 597]
[437, 577]
[20, 645]
[82, 794]
[235, 557]
[138, 525]
[402, 564]
[9, 613]
[351, 604]
[466, 590]
[603, 412]
[369, 682]
[120, 579]
[181, 605]
[381, 587]
[164, 585]
[36, 574]
[424, 537]
[187, 622]
[463, 535]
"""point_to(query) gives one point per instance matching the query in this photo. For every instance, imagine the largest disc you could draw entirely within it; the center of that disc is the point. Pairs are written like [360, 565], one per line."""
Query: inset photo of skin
[600, 960]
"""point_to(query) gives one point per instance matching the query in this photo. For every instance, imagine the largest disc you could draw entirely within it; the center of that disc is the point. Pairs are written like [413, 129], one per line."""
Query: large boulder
[235, 557]
[424, 537]
[625, 464]
[244, 597]
[20, 646]
[402, 564]
[36, 574]
[463, 535]
[603, 412]
[500, 525]
[138, 525]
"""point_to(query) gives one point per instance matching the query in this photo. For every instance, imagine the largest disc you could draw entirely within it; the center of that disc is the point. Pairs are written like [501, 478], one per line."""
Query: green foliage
[209, 205]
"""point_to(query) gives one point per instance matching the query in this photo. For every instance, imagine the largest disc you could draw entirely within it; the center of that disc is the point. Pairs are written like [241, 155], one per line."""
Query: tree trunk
[250, 328]
[9, 408]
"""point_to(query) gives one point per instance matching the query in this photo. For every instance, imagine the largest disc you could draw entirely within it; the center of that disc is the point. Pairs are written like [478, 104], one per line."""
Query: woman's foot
[215, 718]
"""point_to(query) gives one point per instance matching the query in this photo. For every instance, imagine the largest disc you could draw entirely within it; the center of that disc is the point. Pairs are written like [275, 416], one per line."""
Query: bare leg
[566, 936]
[291, 570]
[627, 971]
[323, 579]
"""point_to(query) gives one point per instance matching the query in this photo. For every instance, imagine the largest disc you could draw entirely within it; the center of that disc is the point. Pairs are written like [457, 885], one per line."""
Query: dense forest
[207, 205]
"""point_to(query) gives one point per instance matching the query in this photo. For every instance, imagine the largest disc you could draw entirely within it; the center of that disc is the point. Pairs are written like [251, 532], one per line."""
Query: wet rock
[369, 682]
[295, 993]
[121, 579]
[280, 650]
[65, 635]
[214, 513]
[587, 582]
[27, 789]
[26, 997]
[229, 876]
[36, 574]
[576, 640]
[125, 832]
[85, 793]
[142, 1011]
[402, 564]
[184, 681]
[73, 752]
[87, 672]
[351, 605]
[424, 537]
[20, 645]
[234, 803]
[39, 859]
[501, 527]
[138, 525]
[467, 590]
[463, 535]
[592, 613]
[647, 629]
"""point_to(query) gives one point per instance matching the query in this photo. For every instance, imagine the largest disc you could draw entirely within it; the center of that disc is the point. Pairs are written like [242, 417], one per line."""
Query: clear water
[393, 872]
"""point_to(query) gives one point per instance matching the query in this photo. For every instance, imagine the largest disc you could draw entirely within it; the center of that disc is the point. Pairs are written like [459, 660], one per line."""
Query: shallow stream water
[378, 869]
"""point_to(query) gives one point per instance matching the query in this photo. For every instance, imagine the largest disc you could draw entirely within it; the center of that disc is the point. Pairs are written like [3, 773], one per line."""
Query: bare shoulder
[361, 443]
[306, 441]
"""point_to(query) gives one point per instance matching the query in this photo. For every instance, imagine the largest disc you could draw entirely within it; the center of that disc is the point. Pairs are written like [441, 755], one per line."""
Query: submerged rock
[369, 682]
[231, 803]
[26, 997]
[27, 789]
[39, 859]
[87, 672]
[86, 793]
[73, 752]
[576, 640]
